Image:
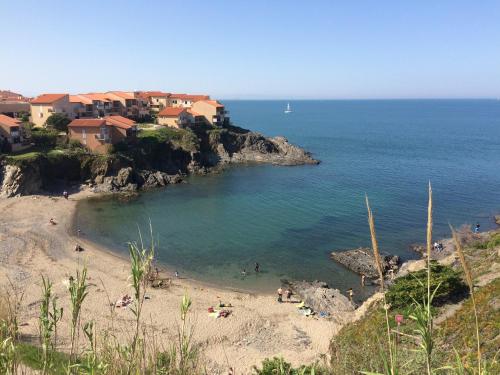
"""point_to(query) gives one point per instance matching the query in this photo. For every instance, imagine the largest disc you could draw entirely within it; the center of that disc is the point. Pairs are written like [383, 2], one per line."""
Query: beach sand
[258, 326]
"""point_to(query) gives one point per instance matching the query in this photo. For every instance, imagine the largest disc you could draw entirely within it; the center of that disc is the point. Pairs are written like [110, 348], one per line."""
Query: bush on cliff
[413, 287]
[44, 138]
[58, 121]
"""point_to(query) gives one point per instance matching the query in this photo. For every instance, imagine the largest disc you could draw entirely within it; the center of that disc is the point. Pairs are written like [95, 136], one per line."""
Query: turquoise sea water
[289, 218]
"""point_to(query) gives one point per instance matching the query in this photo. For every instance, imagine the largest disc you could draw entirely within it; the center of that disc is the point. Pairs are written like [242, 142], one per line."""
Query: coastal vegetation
[391, 338]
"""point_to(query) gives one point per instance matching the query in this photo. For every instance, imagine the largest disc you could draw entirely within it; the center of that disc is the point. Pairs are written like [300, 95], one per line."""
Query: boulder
[497, 219]
[321, 298]
[362, 261]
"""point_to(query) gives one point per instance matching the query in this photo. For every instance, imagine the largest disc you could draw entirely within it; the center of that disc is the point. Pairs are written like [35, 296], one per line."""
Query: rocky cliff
[155, 160]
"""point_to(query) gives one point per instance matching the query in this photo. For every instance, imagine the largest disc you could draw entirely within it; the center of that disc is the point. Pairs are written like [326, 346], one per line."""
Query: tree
[58, 121]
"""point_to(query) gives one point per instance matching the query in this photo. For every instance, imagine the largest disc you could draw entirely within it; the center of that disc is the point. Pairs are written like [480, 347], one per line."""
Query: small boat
[288, 109]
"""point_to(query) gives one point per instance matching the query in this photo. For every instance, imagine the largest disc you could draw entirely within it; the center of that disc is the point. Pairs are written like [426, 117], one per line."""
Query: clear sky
[254, 49]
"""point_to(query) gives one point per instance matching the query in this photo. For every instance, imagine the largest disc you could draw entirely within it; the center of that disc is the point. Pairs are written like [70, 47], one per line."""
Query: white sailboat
[288, 109]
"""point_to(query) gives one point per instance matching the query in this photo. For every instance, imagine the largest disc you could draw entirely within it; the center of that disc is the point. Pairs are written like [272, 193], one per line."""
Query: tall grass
[78, 291]
[468, 279]
[391, 367]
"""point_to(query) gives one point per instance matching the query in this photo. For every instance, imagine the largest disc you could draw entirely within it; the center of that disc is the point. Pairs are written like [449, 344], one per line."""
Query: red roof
[149, 94]
[119, 121]
[214, 103]
[9, 121]
[193, 98]
[87, 122]
[171, 111]
[79, 99]
[48, 98]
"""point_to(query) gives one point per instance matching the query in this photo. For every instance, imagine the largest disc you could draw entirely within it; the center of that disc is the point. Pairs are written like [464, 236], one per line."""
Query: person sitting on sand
[78, 248]
[52, 221]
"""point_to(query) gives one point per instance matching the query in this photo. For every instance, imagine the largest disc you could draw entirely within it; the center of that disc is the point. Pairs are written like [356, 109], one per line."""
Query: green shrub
[44, 138]
[278, 366]
[58, 121]
[413, 287]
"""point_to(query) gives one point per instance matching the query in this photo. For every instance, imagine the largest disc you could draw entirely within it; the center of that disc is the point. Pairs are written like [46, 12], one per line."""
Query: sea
[289, 219]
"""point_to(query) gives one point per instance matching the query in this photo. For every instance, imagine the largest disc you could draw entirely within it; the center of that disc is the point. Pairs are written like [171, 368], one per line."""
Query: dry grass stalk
[378, 263]
[468, 279]
[376, 252]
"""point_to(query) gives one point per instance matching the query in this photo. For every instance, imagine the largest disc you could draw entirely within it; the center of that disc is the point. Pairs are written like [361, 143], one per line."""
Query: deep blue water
[289, 218]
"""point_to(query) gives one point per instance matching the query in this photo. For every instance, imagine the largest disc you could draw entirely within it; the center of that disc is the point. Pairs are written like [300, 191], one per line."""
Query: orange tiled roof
[48, 98]
[214, 103]
[9, 121]
[193, 113]
[97, 96]
[119, 121]
[80, 99]
[193, 98]
[149, 94]
[87, 122]
[122, 94]
[171, 111]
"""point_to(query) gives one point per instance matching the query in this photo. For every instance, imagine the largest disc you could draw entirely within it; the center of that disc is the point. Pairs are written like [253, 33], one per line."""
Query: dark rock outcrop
[249, 147]
[362, 261]
[321, 297]
[147, 163]
[15, 180]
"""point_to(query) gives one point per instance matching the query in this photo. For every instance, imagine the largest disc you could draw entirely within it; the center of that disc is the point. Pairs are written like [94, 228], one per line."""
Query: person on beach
[65, 194]
[280, 295]
[351, 294]
[176, 274]
[52, 221]
[476, 229]
[436, 246]
[243, 272]
[288, 294]
[363, 279]
[257, 267]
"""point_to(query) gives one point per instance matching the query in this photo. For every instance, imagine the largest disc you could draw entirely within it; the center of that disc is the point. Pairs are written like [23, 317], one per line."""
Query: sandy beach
[258, 326]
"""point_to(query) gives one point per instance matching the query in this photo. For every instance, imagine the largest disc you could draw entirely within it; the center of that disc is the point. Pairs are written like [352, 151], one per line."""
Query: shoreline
[258, 326]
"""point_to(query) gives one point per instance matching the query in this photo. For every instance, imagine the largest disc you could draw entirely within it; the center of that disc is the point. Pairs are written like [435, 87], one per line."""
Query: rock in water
[321, 298]
[497, 219]
[362, 261]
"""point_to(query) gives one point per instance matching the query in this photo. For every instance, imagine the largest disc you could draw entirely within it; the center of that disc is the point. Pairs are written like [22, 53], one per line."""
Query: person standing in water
[257, 267]
[280, 295]
[351, 294]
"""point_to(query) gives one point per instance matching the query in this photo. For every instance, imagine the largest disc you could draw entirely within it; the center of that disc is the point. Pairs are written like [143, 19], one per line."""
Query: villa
[213, 111]
[185, 100]
[155, 100]
[10, 131]
[13, 104]
[45, 105]
[97, 134]
[176, 117]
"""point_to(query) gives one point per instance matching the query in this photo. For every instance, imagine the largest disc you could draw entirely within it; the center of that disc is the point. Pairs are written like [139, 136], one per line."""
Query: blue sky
[254, 49]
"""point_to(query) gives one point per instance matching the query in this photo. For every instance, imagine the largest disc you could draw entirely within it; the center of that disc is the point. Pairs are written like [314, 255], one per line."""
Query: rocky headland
[155, 160]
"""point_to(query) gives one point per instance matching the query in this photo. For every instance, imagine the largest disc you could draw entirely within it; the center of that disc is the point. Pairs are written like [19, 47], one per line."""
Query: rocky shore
[362, 261]
[147, 165]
